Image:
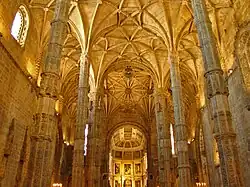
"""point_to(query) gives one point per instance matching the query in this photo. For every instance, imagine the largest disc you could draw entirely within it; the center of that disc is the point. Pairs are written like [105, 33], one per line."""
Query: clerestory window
[20, 25]
[86, 139]
[172, 139]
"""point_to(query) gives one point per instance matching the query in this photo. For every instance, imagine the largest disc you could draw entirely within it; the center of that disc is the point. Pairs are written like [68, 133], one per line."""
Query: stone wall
[25, 57]
[238, 95]
[17, 106]
[240, 116]
[17, 96]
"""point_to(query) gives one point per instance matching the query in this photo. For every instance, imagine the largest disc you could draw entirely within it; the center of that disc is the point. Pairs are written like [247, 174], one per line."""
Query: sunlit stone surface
[124, 93]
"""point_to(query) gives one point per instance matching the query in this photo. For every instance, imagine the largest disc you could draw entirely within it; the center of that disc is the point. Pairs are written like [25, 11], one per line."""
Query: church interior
[125, 93]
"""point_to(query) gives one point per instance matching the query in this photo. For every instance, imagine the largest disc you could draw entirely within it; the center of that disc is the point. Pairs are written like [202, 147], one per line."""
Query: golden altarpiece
[128, 158]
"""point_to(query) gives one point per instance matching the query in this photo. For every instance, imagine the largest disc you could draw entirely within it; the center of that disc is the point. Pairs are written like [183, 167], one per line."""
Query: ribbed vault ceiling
[128, 31]
[128, 89]
[125, 33]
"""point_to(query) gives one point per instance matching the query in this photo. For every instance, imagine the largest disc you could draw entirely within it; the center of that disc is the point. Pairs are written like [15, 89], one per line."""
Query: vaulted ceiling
[128, 89]
[128, 138]
[140, 33]
[119, 35]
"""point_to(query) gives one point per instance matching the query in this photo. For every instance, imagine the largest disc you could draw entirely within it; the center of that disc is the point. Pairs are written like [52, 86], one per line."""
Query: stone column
[94, 152]
[78, 177]
[207, 127]
[153, 152]
[181, 133]
[217, 94]
[163, 136]
[104, 155]
[198, 140]
[150, 158]
[57, 158]
[105, 165]
[43, 133]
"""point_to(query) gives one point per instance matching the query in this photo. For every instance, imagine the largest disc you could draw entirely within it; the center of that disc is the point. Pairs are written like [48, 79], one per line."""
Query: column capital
[173, 57]
[161, 92]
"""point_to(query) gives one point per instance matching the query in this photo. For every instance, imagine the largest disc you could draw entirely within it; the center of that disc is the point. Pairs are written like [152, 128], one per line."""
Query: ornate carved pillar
[56, 177]
[94, 151]
[207, 126]
[44, 130]
[217, 95]
[78, 177]
[163, 136]
[181, 133]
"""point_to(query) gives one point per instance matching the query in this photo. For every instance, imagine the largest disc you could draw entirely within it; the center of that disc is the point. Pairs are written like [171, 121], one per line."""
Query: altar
[128, 159]
[128, 174]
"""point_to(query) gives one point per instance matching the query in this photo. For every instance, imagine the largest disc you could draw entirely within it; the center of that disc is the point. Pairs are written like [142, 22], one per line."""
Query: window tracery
[20, 25]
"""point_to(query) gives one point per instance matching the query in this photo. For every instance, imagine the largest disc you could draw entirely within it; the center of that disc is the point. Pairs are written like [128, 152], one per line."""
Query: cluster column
[163, 137]
[95, 149]
[43, 133]
[78, 177]
[181, 133]
[217, 95]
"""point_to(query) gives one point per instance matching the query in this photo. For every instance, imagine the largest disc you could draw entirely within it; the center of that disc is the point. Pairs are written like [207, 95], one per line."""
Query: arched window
[86, 139]
[172, 139]
[20, 25]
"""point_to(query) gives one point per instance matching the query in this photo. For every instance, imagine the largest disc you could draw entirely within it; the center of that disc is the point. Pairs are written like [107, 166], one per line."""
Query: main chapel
[124, 93]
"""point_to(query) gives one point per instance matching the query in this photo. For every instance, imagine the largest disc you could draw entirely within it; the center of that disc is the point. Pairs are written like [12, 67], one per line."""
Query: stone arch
[119, 125]
[127, 137]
